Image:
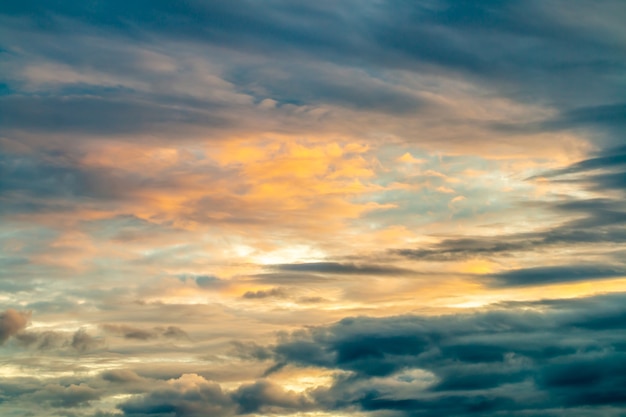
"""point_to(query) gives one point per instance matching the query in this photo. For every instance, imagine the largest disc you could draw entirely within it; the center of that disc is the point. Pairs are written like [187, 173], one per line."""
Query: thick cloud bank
[539, 358]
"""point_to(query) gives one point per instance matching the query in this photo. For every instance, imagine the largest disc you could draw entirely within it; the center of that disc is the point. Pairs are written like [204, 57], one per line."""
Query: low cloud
[136, 333]
[271, 293]
[49, 340]
[83, 342]
[67, 396]
[501, 361]
[555, 274]
[11, 323]
[192, 395]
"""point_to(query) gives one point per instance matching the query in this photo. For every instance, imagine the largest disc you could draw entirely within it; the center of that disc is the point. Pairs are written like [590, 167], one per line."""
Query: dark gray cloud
[600, 226]
[271, 293]
[47, 177]
[605, 120]
[311, 300]
[99, 115]
[43, 395]
[50, 340]
[501, 361]
[193, 396]
[352, 89]
[209, 281]
[455, 249]
[251, 350]
[84, 342]
[173, 332]
[532, 51]
[130, 332]
[555, 274]
[605, 159]
[496, 362]
[136, 333]
[599, 173]
[11, 323]
[67, 396]
[121, 376]
[56, 180]
[609, 118]
[201, 398]
[42, 340]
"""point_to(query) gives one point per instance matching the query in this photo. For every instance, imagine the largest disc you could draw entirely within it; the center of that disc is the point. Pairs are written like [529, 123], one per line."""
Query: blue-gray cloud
[556, 274]
[502, 361]
[531, 51]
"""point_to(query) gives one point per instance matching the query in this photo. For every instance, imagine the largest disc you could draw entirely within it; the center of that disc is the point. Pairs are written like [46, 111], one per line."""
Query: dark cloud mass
[547, 275]
[135, 333]
[489, 363]
[84, 342]
[67, 397]
[500, 361]
[271, 293]
[42, 341]
[11, 323]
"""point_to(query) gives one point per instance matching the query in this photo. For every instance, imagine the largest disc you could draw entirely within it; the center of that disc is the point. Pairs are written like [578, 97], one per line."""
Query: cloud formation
[382, 208]
[484, 363]
[11, 323]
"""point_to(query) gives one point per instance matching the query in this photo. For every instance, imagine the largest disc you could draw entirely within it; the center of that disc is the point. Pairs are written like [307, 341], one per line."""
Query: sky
[351, 208]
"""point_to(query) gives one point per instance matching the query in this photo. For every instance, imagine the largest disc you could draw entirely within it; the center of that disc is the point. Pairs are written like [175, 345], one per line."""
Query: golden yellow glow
[301, 380]
[478, 266]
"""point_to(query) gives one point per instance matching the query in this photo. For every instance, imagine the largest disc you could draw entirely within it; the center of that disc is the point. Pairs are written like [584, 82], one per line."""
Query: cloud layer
[353, 208]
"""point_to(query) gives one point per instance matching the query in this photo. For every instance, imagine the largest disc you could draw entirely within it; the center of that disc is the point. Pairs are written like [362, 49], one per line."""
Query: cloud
[42, 340]
[188, 396]
[265, 396]
[121, 376]
[251, 350]
[208, 281]
[610, 158]
[83, 342]
[342, 268]
[231, 169]
[600, 173]
[135, 333]
[499, 361]
[492, 362]
[554, 274]
[271, 293]
[192, 395]
[173, 332]
[129, 332]
[353, 58]
[97, 115]
[581, 221]
[67, 396]
[11, 323]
